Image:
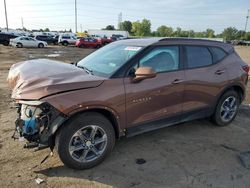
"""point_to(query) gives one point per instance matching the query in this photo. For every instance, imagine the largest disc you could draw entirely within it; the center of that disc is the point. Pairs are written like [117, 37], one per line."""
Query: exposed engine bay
[37, 124]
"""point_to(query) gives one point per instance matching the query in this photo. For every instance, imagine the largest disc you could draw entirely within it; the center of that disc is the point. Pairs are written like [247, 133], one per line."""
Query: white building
[107, 33]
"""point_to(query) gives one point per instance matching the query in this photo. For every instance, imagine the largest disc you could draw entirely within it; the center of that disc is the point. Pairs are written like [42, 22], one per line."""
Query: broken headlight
[34, 119]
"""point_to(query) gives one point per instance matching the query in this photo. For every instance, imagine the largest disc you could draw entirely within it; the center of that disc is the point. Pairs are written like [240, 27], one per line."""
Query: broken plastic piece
[39, 180]
[140, 161]
[245, 159]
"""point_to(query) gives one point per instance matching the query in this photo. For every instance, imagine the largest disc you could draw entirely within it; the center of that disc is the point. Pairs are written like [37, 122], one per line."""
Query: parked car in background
[5, 38]
[103, 39]
[123, 89]
[47, 38]
[118, 37]
[88, 43]
[66, 39]
[27, 42]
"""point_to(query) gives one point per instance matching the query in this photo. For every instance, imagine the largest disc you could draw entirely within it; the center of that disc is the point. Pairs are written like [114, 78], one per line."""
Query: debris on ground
[245, 159]
[229, 147]
[140, 161]
[39, 180]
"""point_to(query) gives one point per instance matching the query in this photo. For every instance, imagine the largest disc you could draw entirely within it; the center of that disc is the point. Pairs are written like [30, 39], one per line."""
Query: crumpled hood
[35, 79]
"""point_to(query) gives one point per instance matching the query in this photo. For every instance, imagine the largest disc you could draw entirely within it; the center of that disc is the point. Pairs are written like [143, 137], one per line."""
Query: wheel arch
[107, 113]
[236, 87]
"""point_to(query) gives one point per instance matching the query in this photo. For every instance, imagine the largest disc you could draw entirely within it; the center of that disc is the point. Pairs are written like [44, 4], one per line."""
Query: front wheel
[85, 141]
[81, 46]
[227, 108]
[40, 45]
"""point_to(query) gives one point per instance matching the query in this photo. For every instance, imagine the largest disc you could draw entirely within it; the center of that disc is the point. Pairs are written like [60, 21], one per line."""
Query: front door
[160, 97]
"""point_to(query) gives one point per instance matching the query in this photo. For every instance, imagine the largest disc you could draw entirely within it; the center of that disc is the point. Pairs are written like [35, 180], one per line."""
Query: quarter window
[162, 59]
[218, 54]
[198, 57]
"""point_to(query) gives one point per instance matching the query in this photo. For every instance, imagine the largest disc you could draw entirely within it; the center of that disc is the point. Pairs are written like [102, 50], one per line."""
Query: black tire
[6, 43]
[19, 45]
[82, 46]
[98, 46]
[217, 116]
[65, 43]
[40, 45]
[79, 123]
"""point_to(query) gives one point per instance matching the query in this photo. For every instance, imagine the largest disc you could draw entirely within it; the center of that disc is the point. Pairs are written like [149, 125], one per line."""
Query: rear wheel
[85, 141]
[19, 45]
[227, 108]
[40, 45]
[6, 43]
[65, 43]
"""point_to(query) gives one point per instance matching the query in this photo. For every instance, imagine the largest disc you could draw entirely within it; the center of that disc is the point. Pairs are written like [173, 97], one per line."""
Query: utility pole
[6, 15]
[76, 15]
[119, 20]
[22, 22]
[247, 20]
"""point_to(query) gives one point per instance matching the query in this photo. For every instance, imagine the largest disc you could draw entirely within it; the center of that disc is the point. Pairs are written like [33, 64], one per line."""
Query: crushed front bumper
[37, 123]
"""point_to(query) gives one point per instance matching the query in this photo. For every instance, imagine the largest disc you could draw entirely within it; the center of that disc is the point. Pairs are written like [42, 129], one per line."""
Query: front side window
[198, 56]
[162, 59]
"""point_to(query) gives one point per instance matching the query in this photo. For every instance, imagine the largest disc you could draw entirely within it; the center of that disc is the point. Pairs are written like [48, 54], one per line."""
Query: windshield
[105, 61]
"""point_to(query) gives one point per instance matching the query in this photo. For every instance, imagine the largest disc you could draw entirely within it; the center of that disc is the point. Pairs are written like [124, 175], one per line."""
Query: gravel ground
[194, 154]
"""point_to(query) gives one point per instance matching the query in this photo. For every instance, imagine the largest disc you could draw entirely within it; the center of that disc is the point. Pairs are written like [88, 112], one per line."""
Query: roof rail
[188, 39]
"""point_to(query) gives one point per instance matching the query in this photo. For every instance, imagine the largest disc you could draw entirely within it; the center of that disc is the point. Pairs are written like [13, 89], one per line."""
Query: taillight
[246, 68]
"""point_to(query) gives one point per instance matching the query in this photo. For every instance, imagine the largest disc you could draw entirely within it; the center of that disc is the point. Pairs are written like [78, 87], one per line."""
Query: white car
[66, 39]
[27, 42]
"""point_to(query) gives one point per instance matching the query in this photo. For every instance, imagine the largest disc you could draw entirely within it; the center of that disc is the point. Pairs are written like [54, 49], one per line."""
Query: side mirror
[143, 73]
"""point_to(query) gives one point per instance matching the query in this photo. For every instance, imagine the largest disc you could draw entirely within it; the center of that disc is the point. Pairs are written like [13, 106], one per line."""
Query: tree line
[143, 29]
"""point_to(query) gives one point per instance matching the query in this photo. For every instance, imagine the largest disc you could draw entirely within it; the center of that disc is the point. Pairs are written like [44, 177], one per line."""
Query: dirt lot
[194, 154]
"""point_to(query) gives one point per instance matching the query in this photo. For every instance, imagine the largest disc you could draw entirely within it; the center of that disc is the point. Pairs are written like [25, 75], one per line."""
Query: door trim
[165, 122]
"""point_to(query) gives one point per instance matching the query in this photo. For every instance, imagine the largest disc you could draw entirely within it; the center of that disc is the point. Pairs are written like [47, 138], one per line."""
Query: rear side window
[198, 56]
[218, 54]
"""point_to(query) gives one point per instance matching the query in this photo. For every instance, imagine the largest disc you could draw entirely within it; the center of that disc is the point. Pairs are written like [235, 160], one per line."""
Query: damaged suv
[123, 89]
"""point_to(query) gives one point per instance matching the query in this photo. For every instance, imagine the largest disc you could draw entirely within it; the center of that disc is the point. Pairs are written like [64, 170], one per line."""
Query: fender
[119, 123]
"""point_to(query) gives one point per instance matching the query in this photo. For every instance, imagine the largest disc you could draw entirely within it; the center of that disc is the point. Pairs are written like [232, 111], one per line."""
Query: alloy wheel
[88, 144]
[228, 109]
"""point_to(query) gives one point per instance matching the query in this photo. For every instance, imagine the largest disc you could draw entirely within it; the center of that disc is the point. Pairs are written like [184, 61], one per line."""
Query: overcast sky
[95, 14]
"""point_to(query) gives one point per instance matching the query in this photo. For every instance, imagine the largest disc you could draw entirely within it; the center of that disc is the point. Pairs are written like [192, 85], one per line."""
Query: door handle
[219, 72]
[177, 81]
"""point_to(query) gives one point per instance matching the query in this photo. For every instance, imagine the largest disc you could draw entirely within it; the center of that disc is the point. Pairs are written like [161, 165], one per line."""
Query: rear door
[160, 97]
[205, 75]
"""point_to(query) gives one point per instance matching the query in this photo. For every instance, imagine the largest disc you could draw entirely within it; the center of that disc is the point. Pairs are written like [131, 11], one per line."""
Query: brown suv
[125, 88]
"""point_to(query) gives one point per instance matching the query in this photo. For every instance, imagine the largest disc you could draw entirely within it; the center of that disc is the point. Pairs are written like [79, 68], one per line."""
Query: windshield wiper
[89, 71]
